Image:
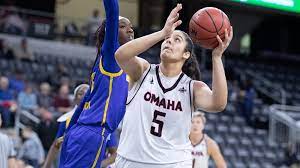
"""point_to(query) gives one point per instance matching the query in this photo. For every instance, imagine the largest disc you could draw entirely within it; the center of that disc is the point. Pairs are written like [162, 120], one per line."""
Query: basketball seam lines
[214, 42]
[222, 21]
[210, 37]
[201, 26]
[212, 22]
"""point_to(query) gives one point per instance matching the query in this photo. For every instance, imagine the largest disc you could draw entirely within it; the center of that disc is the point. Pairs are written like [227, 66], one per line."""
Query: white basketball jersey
[157, 121]
[200, 154]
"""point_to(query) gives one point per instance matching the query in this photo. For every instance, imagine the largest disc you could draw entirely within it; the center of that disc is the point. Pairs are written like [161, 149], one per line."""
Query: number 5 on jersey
[157, 124]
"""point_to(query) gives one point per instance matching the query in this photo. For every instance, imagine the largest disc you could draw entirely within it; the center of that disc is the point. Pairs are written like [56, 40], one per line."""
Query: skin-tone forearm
[12, 163]
[51, 156]
[138, 46]
[216, 99]
[219, 83]
[109, 160]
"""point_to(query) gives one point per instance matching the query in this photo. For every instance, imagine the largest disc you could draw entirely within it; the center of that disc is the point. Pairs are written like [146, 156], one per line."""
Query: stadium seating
[242, 146]
[280, 76]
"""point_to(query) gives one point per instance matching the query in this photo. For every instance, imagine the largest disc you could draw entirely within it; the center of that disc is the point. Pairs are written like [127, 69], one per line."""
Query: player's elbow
[219, 107]
[120, 55]
[222, 107]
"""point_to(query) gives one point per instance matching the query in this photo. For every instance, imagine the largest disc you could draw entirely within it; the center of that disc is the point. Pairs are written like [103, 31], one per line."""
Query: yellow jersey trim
[87, 105]
[107, 100]
[99, 150]
[110, 74]
[68, 122]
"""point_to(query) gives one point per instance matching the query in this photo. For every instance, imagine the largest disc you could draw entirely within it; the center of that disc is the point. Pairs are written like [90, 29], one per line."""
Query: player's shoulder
[211, 144]
[199, 84]
[209, 140]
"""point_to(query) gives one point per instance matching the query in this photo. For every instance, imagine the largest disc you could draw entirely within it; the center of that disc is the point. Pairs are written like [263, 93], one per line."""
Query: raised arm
[111, 42]
[126, 55]
[215, 99]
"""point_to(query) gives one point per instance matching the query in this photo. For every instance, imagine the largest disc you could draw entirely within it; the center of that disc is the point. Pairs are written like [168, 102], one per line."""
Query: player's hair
[201, 115]
[191, 65]
[100, 34]
[79, 87]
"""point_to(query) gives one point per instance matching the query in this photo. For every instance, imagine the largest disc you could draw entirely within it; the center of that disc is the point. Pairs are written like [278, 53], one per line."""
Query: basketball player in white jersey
[161, 99]
[203, 146]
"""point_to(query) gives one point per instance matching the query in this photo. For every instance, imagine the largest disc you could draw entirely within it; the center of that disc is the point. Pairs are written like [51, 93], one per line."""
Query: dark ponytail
[191, 65]
[100, 34]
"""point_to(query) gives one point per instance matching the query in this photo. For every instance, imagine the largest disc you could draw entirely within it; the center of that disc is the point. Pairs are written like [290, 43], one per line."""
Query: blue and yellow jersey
[104, 104]
[62, 128]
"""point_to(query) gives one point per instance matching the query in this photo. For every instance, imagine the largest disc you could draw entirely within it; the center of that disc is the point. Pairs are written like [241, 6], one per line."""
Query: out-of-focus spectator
[27, 99]
[61, 75]
[23, 51]
[45, 102]
[31, 151]
[47, 129]
[7, 103]
[246, 101]
[61, 101]
[62, 70]
[13, 23]
[93, 23]
[45, 99]
[7, 152]
[71, 30]
[234, 92]
[17, 82]
[5, 51]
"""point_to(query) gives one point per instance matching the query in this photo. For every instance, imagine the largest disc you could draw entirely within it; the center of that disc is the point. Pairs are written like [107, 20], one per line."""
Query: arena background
[261, 124]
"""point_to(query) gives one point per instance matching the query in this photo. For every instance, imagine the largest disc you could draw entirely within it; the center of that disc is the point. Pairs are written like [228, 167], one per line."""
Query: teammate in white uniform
[203, 146]
[157, 122]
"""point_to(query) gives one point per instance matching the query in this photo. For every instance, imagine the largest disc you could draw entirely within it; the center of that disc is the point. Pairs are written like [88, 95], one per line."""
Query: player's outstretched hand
[172, 21]
[219, 50]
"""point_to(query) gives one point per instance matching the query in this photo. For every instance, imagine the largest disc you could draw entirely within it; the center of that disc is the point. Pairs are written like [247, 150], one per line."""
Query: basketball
[206, 24]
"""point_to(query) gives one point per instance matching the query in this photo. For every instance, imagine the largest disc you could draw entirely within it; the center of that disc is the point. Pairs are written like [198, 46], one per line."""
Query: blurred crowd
[16, 95]
[45, 100]
[22, 22]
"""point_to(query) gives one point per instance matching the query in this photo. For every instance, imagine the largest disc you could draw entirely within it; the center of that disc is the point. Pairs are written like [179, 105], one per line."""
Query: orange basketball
[206, 24]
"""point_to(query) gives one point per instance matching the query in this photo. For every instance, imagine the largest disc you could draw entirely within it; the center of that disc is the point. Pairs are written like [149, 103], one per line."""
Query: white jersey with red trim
[200, 154]
[157, 121]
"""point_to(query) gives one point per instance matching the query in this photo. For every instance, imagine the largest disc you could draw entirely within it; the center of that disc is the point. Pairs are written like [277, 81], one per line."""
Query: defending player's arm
[111, 159]
[215, 153]
[111, 146]
[108, 49]
[54, 149]
[126, 55]
[215, 99]
[111, 43]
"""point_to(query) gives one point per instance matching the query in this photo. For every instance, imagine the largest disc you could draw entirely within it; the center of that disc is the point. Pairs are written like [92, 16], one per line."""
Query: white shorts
[121, 162]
